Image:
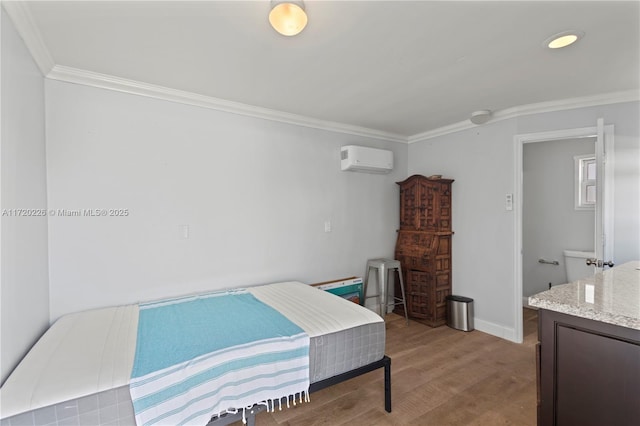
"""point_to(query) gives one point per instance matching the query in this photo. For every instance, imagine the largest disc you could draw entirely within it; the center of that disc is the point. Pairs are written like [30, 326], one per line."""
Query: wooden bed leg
[387, 384]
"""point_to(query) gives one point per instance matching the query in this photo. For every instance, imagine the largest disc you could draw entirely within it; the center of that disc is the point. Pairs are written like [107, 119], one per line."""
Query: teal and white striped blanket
[203, 355]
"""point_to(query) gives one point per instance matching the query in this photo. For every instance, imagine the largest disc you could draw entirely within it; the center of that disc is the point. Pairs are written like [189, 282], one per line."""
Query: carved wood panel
[423, 246]
[408, 208]
[418, 291]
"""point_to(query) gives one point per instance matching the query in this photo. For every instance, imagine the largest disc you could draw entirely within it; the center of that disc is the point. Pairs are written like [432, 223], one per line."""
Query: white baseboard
[496, 330]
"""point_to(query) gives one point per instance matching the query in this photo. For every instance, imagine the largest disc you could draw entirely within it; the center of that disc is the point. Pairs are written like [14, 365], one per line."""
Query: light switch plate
[509, 202]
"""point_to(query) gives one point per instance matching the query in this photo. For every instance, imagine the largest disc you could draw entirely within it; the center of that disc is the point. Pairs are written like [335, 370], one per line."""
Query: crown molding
[103, 81]
[537, 108]
[441, 131]
[21, 17]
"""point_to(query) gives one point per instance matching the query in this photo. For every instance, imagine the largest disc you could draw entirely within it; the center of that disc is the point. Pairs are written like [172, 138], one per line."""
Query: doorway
[604, 208]
[554, 218]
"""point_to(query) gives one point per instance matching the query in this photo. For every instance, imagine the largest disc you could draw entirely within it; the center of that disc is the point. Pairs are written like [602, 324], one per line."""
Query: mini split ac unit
[364, 159]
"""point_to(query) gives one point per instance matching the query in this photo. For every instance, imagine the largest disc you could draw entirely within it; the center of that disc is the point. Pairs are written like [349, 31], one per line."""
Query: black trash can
[460, 312]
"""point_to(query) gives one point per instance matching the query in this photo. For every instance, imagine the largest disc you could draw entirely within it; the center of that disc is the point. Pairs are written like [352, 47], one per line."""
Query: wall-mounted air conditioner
[364, 159]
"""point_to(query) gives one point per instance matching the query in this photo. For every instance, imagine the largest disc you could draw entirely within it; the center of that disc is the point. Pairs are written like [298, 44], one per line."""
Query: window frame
[581, 183]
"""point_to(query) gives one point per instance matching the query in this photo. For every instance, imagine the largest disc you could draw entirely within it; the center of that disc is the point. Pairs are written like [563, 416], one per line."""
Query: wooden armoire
[424, 247]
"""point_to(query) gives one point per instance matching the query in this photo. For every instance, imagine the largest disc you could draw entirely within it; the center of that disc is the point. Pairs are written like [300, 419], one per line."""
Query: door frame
[608, 208]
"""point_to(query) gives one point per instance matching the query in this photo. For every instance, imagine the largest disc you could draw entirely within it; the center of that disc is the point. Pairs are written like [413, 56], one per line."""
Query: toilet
[576, 266]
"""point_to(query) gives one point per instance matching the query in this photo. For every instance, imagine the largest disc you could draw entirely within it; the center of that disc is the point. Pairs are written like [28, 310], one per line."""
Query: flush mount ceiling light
[288, 17]
[563, 39]
[480, 117]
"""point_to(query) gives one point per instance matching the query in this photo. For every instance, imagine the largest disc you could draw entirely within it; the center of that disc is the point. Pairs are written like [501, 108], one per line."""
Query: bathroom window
[585, 182]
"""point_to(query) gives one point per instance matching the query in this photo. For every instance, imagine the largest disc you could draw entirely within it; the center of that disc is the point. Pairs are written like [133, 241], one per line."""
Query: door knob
[599, 263]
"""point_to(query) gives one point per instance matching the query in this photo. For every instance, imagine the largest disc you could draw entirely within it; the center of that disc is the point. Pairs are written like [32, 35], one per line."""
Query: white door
[603, 208]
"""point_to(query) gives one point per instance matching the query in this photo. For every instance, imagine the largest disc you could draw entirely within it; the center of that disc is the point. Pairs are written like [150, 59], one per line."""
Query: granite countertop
[612, 296]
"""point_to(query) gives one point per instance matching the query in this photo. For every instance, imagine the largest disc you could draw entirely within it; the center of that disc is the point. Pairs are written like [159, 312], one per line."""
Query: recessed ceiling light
[563, 39]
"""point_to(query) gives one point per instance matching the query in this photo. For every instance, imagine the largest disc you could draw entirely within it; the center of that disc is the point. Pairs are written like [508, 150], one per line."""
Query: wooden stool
[384, 266]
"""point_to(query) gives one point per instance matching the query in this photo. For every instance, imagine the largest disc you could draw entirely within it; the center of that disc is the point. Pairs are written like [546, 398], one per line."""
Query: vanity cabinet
[588, 372]
[423, 247]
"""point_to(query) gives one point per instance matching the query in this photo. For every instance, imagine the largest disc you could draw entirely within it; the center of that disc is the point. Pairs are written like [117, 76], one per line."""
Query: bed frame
[250, 414]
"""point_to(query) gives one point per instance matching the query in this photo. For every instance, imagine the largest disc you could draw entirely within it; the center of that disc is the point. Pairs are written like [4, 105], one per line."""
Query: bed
[79, 372]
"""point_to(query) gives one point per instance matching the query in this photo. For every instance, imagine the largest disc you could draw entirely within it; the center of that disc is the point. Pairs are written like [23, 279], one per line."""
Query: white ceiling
[400, 68]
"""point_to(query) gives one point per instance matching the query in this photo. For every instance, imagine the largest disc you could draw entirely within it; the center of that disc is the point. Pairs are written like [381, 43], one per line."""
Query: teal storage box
[347, 288]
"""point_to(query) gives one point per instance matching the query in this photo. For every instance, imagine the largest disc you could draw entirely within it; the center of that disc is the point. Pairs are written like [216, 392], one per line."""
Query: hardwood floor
[440, 376]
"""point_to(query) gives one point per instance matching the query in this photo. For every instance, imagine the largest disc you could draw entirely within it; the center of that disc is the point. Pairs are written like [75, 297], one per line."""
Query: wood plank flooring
[440, 376]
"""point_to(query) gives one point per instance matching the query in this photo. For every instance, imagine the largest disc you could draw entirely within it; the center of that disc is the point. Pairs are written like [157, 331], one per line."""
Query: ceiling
[399, 68]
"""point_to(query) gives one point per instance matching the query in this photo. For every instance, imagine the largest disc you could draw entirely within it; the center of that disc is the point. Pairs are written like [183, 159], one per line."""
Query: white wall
[551, 223]
[254, 193]
[24, 287]
[481, 160]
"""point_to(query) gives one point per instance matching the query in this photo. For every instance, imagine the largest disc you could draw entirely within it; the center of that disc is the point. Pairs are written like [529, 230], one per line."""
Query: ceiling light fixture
[480, 117]
[288, 17]
[563, 39]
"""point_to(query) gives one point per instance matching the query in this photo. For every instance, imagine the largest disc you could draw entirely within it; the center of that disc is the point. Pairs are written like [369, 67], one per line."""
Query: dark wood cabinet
[588, 372]
[423, 247]
[425, 204]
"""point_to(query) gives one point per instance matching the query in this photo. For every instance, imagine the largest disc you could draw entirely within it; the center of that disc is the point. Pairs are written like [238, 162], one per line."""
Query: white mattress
[317, 312]
[89, 352]
[81, 354]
